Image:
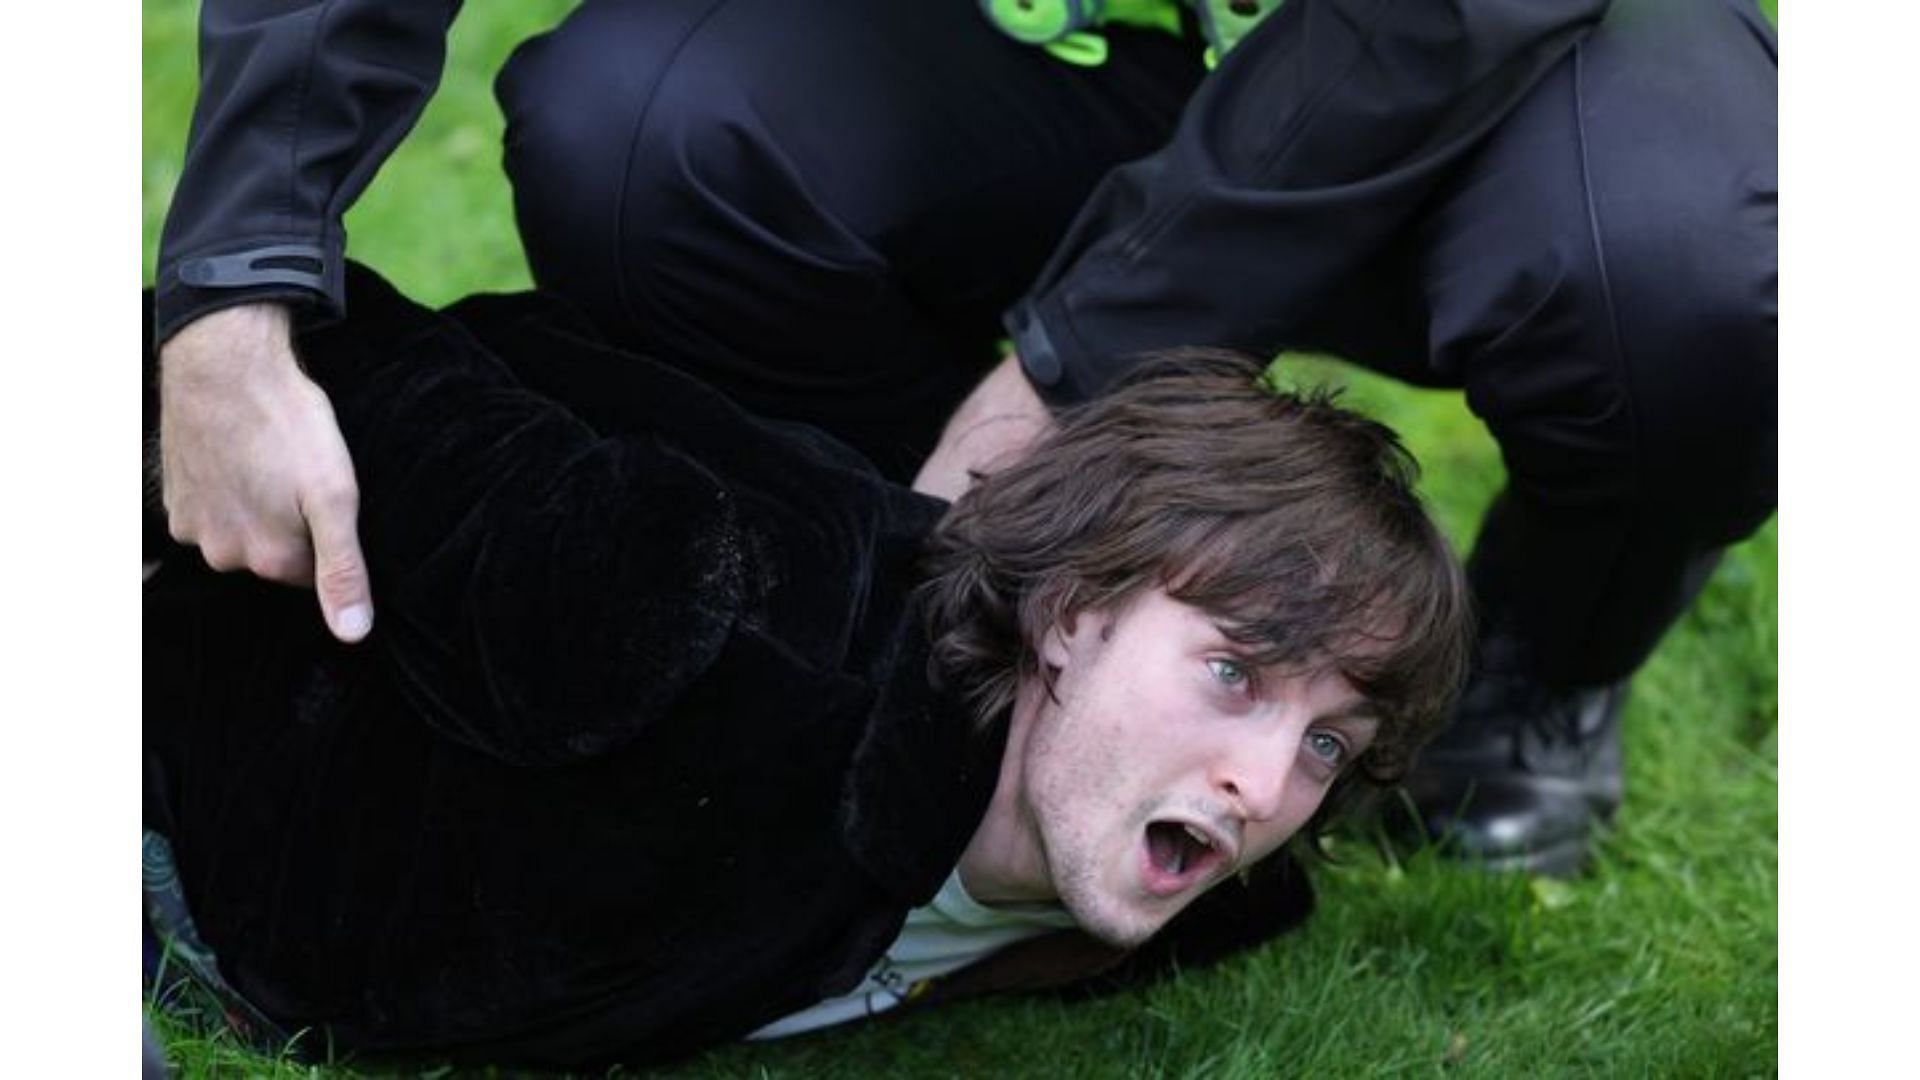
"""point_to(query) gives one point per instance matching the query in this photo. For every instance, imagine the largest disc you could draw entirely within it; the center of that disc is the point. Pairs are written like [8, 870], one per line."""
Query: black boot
[1523, 776]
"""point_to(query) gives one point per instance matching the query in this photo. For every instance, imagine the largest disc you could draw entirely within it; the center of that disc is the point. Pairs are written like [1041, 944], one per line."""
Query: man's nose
[1254, 776]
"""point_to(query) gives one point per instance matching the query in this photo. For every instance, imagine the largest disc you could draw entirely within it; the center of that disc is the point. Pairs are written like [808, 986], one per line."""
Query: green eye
[1229, 672]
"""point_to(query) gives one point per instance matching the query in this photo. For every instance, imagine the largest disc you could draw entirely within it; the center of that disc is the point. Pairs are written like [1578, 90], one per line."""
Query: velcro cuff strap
[284, 264]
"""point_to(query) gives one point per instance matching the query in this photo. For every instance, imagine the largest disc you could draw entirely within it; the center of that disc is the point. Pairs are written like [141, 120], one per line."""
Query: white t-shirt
[950, 932]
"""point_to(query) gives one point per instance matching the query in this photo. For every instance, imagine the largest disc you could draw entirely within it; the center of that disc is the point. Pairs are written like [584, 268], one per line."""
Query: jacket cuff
[308, 278]
[1050, 355]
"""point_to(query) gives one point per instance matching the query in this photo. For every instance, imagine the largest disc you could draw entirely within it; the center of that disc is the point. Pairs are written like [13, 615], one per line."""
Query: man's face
[1168, 762]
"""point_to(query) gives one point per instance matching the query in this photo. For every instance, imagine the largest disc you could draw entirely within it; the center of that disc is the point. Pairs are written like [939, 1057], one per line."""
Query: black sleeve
[546, 587]
[1312, 144]
[300, 102]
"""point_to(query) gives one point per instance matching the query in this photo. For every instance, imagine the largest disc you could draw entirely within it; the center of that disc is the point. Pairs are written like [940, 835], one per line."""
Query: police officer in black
[833, 210]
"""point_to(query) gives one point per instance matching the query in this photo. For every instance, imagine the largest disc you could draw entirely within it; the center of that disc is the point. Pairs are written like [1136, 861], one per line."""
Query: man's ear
[1066, 636]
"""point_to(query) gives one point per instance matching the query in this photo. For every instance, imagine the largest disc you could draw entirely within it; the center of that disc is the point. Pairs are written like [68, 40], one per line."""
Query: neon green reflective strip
[1053, 24]
[1082, 48]
[1163, 15]
[1031, 22]
[1087, 48]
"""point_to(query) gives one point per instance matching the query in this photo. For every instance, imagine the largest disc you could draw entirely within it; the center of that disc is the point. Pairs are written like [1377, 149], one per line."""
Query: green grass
[1663, 961]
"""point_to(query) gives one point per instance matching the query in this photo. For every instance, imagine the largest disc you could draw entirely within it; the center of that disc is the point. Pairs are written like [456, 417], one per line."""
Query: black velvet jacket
[642, 752]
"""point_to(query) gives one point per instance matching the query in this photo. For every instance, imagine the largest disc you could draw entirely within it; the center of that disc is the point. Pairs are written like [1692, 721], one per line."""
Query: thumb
[340, 571]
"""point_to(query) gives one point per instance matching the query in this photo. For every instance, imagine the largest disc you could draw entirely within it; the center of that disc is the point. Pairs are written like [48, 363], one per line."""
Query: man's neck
[1003, 863]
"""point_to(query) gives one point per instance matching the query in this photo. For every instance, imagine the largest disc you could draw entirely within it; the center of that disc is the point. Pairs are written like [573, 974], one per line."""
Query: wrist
[241, 332]
[256, 317]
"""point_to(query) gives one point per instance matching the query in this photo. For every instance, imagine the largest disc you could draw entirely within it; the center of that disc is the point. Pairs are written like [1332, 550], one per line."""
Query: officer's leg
[1601, 280]
[821, 207]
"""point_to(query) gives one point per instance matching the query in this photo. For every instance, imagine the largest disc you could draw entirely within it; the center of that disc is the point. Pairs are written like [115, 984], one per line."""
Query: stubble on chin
[1120, 929]
[1104, 914]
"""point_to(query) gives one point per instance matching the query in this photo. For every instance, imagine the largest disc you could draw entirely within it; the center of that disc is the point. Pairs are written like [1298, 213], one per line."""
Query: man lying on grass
[682, 725]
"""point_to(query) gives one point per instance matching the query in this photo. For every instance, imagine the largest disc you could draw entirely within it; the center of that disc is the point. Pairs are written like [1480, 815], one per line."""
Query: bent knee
[1650, 387]
[575, 100]
[639, 149]
[1695, 298]
[572, 95]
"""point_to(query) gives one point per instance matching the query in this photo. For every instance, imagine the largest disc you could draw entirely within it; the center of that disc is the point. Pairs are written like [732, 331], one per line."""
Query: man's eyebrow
[1358, 712]
[1225, 627]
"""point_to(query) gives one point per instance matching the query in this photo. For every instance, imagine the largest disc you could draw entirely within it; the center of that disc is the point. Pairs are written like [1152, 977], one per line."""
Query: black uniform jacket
[1311, 147]
[642, 752]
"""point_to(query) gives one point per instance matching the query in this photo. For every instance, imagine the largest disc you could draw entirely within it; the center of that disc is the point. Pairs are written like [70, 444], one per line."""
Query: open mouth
[1179, 854]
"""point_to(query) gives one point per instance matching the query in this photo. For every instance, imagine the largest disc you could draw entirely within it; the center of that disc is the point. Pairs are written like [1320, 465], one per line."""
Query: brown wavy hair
[1289, 519]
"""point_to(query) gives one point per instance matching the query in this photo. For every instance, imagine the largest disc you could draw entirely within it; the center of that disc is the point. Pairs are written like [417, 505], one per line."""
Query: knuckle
[335, 494]
[338, 584]
[340, 571]
[279, 563]
[223, 557]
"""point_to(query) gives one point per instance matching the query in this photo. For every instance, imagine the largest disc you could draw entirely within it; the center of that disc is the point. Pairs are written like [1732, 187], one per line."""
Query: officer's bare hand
[997, 424]
[254, 471]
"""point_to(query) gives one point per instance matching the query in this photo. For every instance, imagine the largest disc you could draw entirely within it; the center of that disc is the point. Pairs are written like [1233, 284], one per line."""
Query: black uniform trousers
[826, 208]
